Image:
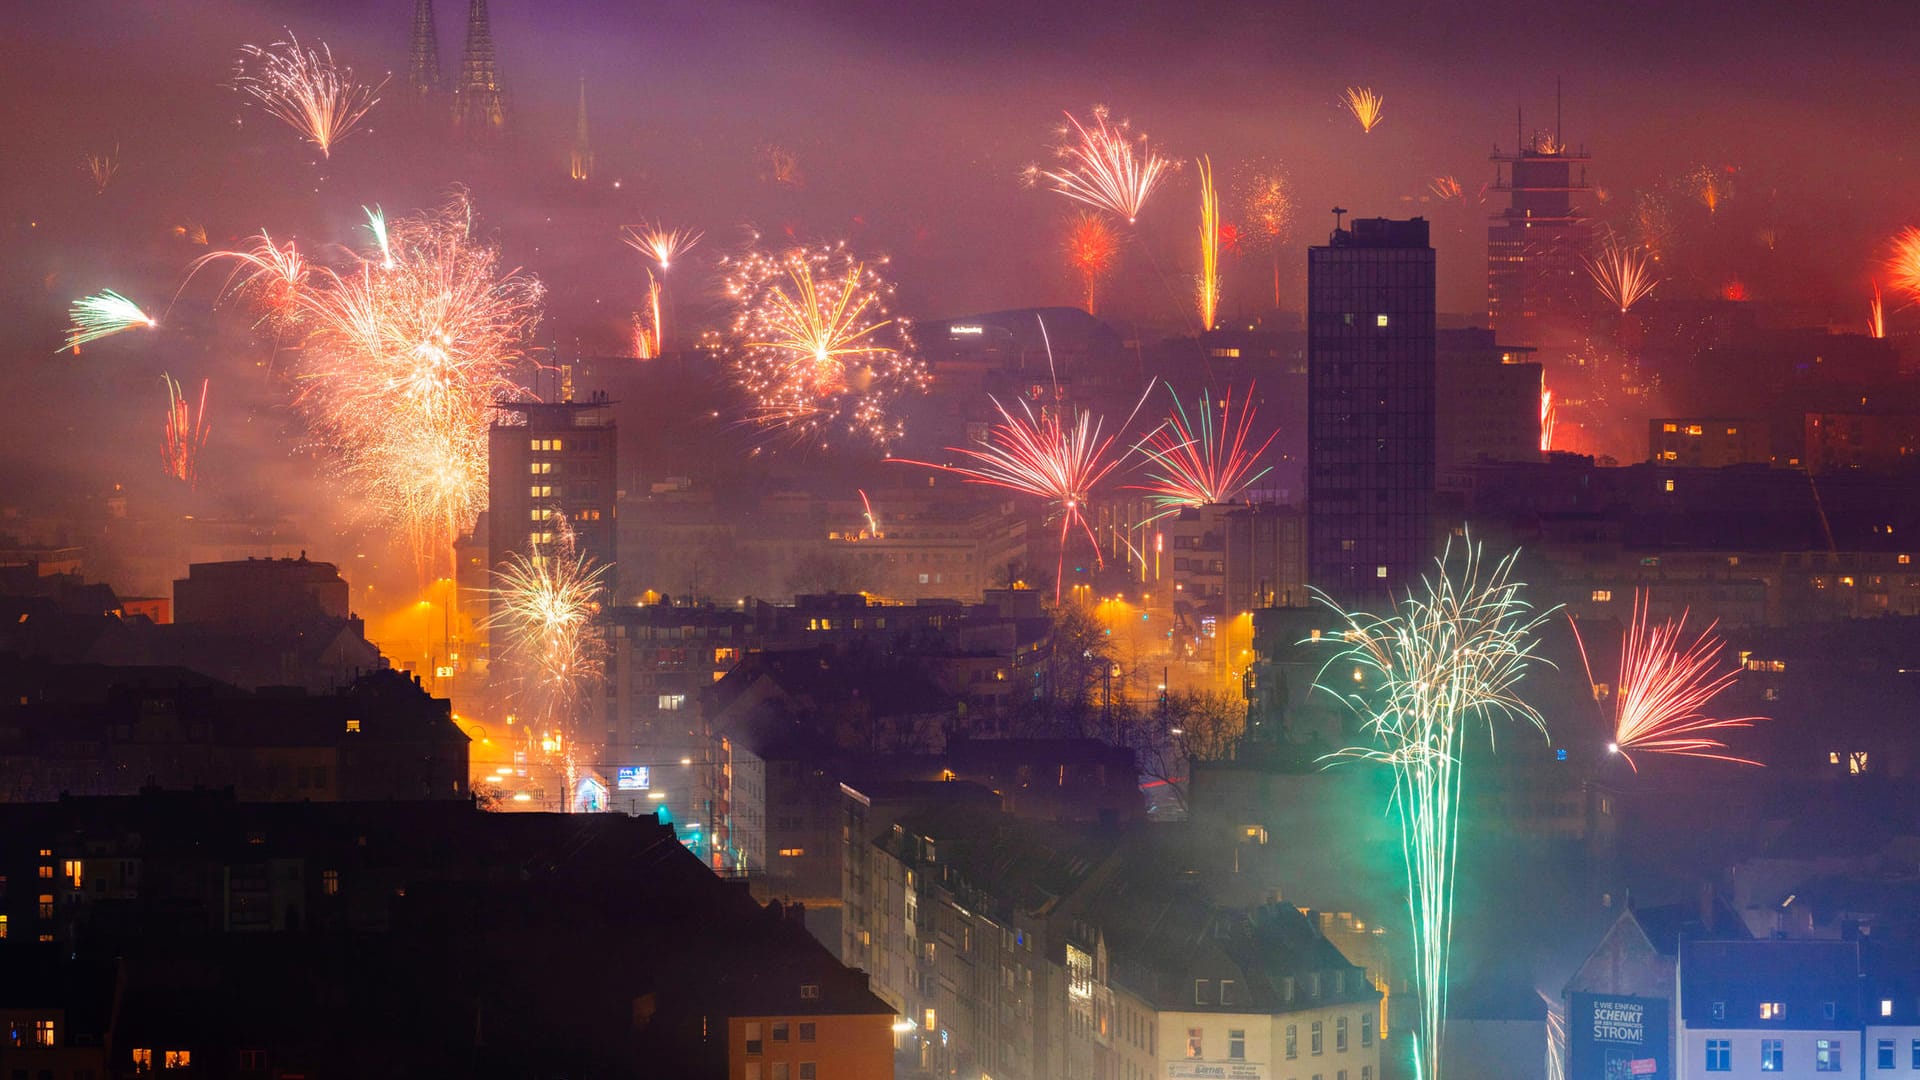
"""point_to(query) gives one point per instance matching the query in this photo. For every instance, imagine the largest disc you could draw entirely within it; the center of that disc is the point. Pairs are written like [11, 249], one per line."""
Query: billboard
[633, 778]
[1618, 1037]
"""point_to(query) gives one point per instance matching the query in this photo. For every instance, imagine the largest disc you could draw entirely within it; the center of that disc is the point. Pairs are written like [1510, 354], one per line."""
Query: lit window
[1602, 596]
[792, 852]
[540, 491]
[1379, 571]
[177, 1059]
[46, 905]
[1379, 320]
[1670, 428]
[46, 872]
[353, 727]
[1826, 1055]
[1669, 485]
[1193, 1042]
[1905, 559]
[330, 882]
[1886, 1006]
[43, 1033]
[70, 869]
[1693, 429]
[1773, 1010]
[142, 1060]
[1772, 1055]
[3, 928]
[540, 468]
[671, 702]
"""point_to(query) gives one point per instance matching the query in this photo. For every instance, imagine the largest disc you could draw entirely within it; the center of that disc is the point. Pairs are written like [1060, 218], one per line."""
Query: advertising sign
[1215, 1070]
[1618, 1037]
[633, 778]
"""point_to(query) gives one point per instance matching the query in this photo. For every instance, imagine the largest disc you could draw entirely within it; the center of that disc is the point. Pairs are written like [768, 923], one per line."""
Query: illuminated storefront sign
[634, 778]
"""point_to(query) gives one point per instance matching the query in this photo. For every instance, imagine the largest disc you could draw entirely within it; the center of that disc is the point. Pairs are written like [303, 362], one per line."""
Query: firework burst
[1664, 688]
[102, 168]
[1364, 104]
[1105, 166]
[814, 346]
[1202, 464]
[270, 275]
[1624, 275]
[543, 606]
[1266, 203]
[1903, 266]
[305, 89]
[1707, 186]
[1653, 224]
[1208, 287]
[95, 317]
[1443, 664]
[659, 243]
[1039, 455]
[185, 434]
[1091, 248]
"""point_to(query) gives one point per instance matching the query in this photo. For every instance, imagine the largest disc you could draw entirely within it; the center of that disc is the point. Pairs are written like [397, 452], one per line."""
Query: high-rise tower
[1370, 410]
[423, 62]
[1537, 286]
[582, 150]
[477, 107]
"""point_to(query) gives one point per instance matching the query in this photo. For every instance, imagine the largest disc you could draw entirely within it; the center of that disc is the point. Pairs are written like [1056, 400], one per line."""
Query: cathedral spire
[582, 150]
[478, 109]
[423, 64]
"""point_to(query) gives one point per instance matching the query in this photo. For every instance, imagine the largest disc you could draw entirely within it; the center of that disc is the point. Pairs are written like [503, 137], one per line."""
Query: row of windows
[1316, 1036]
[1826, 1055]
[781, 1032]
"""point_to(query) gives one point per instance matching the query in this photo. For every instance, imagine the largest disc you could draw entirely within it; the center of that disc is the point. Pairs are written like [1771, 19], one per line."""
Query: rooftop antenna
[1337, 212]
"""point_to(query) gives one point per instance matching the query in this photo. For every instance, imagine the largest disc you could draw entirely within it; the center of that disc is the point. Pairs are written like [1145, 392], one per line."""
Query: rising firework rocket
[185, 433]
[1209, 284]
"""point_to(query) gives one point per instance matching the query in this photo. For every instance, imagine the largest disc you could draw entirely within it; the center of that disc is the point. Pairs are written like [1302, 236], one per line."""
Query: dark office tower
[1538, 291]
[550, 467]
[582, 150]
[1370, 424]
[477, 107]
[423, 63]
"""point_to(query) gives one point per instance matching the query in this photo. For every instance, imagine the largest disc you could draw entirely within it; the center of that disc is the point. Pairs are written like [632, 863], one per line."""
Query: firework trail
[1876, 315]
[1202, 464]
[814, 347]
[1041, 456]
[1103, 167]
[403, 366]
[873, 523]
[1443, 664]
[1091, 249]
[1903, 266]
[95, 317]
[185, 433]
[102, 167]
[1707, 186]
[377, 225]
[1623, 274]
[1209, 283]
[1266, 202]
[1663, 690]
[1446, 189]
[543, 606]
[1548, 417]
[1364, 104]
[305, 89]
[1653, 224]
[646, 324]
[1556, 1036]
[192, 233]
[270, 275]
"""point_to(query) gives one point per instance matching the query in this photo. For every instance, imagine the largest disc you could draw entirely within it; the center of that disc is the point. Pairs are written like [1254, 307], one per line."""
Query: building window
[753, 1037]
[1193, 1042]
[806, 1070]
[142, 1061]
[540, 491]
[1719, 1055]
[1603, 596]
[1366, 1029]
[43, 1033]
[1226, 991]
[253, 1061]
[46, 905]
[792, 852]
[1915, 1063]
[1773, 1010]
[1237, 1044]
[1200, 988]
[809, 991]
[780, 1031]
[1772, 1058]
[780, 1071]
[1314, 1039]
[806, 1031]
[671, 702]
[1884, 1054]
[177, 1059]
[3, 928]
[1719, 1010]
[1366, 1072]
[1340, 1034]
[70, 869]
[1669, 485]
[1293, 1041]
[330, 882]
[1379, 320]
[1379, 571]
[1826, 1055]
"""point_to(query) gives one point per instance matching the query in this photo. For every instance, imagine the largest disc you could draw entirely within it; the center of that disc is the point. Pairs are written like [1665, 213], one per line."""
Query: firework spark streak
[102, 167]
[1364, 104]
[377, 225]
[1876, 315]
[404, 365]
[1209, 283]
[305, 89]
[185, 433]
[1624, 275]
[1199, 464]
[814, 347]
[1653, 224]
[1663, 690]
[95, 317]
[646, 325]
[1041, 456]
[544, 604]
[1103, 167]
[1445, 188]
[272, 275]
[661, 244]
[1548, 417]
[1442, 664]
[1091, 248]
[1903, 267]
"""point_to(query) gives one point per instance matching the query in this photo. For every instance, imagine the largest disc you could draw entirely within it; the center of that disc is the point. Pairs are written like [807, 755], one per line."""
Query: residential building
[551, 474]
[1536, 245]
[1761, 1009]
[1489, 403]
[1709, 442]
[1370, 409]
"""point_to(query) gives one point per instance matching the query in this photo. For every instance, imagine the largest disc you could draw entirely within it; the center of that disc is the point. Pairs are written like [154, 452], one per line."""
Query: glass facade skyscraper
[1370, 410]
